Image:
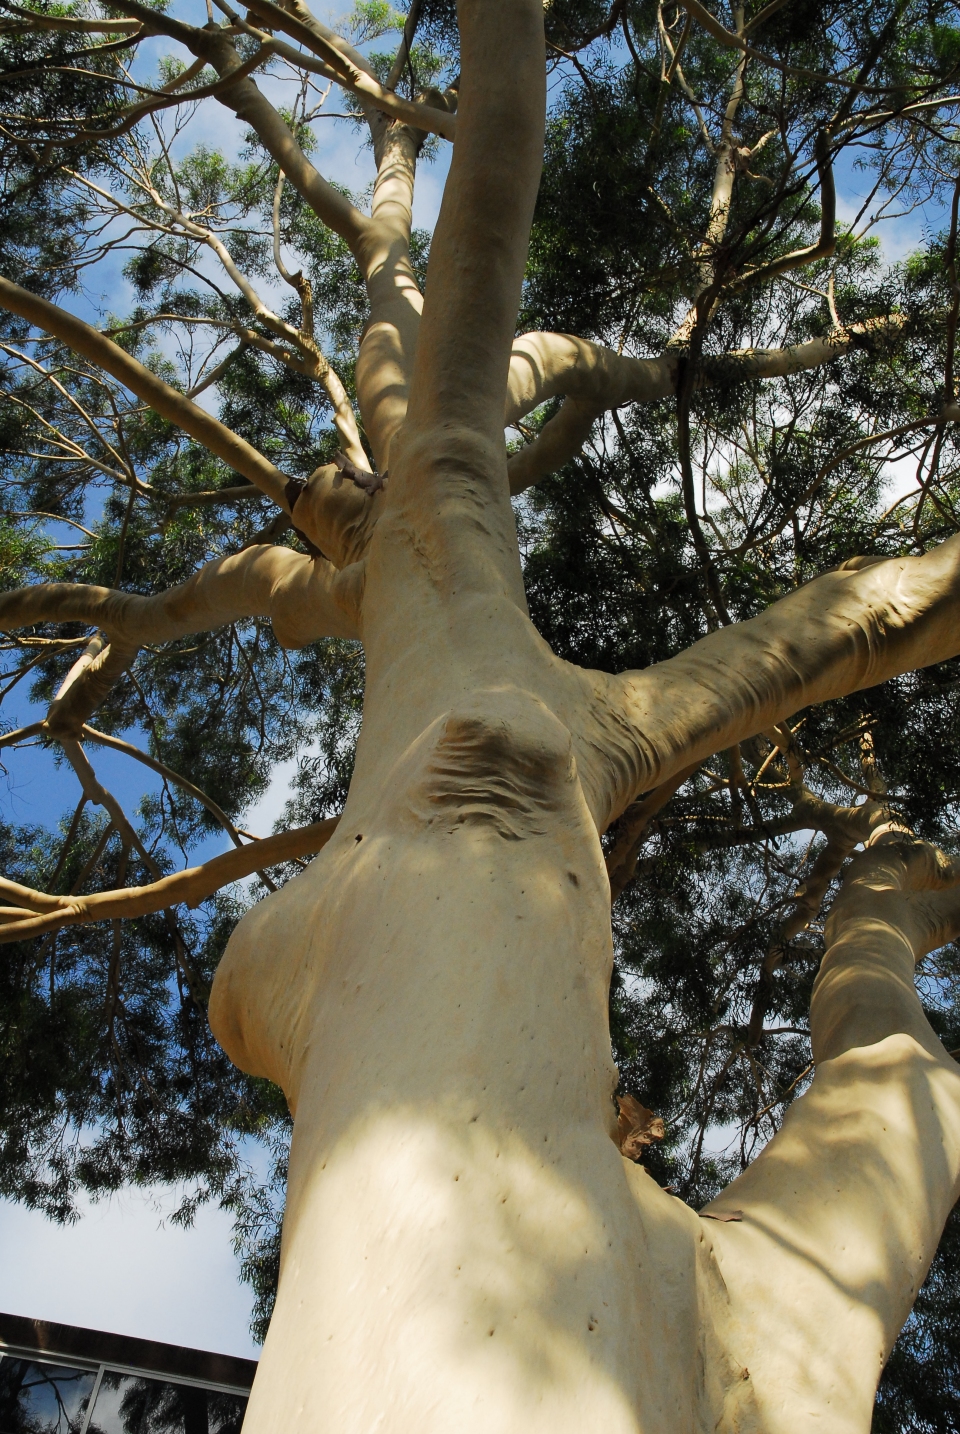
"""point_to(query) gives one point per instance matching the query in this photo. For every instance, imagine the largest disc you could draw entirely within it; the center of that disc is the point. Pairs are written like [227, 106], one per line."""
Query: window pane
[130, 1404]
[38, 1398]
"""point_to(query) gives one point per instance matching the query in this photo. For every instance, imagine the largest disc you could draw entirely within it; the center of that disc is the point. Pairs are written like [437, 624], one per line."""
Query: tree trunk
[464, 1246]
[465, 1249]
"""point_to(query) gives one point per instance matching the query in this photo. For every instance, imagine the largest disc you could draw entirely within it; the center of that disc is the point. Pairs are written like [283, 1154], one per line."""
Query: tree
[466, 1241]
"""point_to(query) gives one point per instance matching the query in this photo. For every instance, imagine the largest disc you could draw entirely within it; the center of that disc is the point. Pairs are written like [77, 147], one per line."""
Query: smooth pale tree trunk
[465, 1250]
[464, 1247]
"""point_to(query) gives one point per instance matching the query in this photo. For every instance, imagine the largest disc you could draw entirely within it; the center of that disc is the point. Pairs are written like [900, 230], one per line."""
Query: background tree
[717, 434]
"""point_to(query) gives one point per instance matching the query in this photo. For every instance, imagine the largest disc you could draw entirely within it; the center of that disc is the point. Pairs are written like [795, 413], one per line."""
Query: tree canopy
[748, 220]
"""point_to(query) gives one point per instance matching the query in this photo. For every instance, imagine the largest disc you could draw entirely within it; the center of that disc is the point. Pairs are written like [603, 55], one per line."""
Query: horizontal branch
[164, 400]
[32, 913]
[242, 493]
[594, 379]
[296, 592]
[32, 20]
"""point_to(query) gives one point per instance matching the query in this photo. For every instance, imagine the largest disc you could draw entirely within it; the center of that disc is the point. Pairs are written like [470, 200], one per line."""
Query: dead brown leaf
[637, 1127]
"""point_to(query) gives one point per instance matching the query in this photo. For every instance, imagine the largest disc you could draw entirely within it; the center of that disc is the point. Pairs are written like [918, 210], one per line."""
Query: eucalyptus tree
[647, 677]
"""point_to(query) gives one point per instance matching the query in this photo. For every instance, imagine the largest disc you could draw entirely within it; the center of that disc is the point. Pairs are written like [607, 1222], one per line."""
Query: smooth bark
[593, 379]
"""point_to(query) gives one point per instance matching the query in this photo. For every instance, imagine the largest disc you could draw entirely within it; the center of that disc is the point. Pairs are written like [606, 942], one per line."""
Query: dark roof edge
[99, 1347]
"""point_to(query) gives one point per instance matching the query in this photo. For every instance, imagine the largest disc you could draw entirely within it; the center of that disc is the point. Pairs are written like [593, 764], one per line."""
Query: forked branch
[303, 597]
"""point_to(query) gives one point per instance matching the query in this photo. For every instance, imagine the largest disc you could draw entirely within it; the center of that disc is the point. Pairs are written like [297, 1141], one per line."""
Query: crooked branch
[32, 913]
[869, 620]
[593, 379]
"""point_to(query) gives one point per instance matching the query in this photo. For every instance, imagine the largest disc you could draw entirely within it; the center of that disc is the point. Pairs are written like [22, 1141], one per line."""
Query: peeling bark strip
[637, 1127]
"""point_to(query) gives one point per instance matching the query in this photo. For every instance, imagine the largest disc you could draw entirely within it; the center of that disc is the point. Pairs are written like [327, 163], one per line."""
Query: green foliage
[918, 1390]
[371, 19]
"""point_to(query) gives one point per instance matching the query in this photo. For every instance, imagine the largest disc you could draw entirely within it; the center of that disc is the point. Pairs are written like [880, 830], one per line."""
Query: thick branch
[297, 593]
[402, 56]
[594, 379]
[869, 620]
[88, 685]
[33, 21]
[912, 890]
[839, 1217]
[388, 347]
[480, 245]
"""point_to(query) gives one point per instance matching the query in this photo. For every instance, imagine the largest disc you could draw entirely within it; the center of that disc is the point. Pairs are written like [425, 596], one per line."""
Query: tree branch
[33, 21]
[480, 245]
[350, 69]
[852, 628]
[164, 400]
[388, 346]
[872, 1148]
[827, 241]
[192, 886]
[118, 745]
[405, 46]
[734, 42]
[293, 590]
[622, 858]
[594, 379]
[250, 105]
